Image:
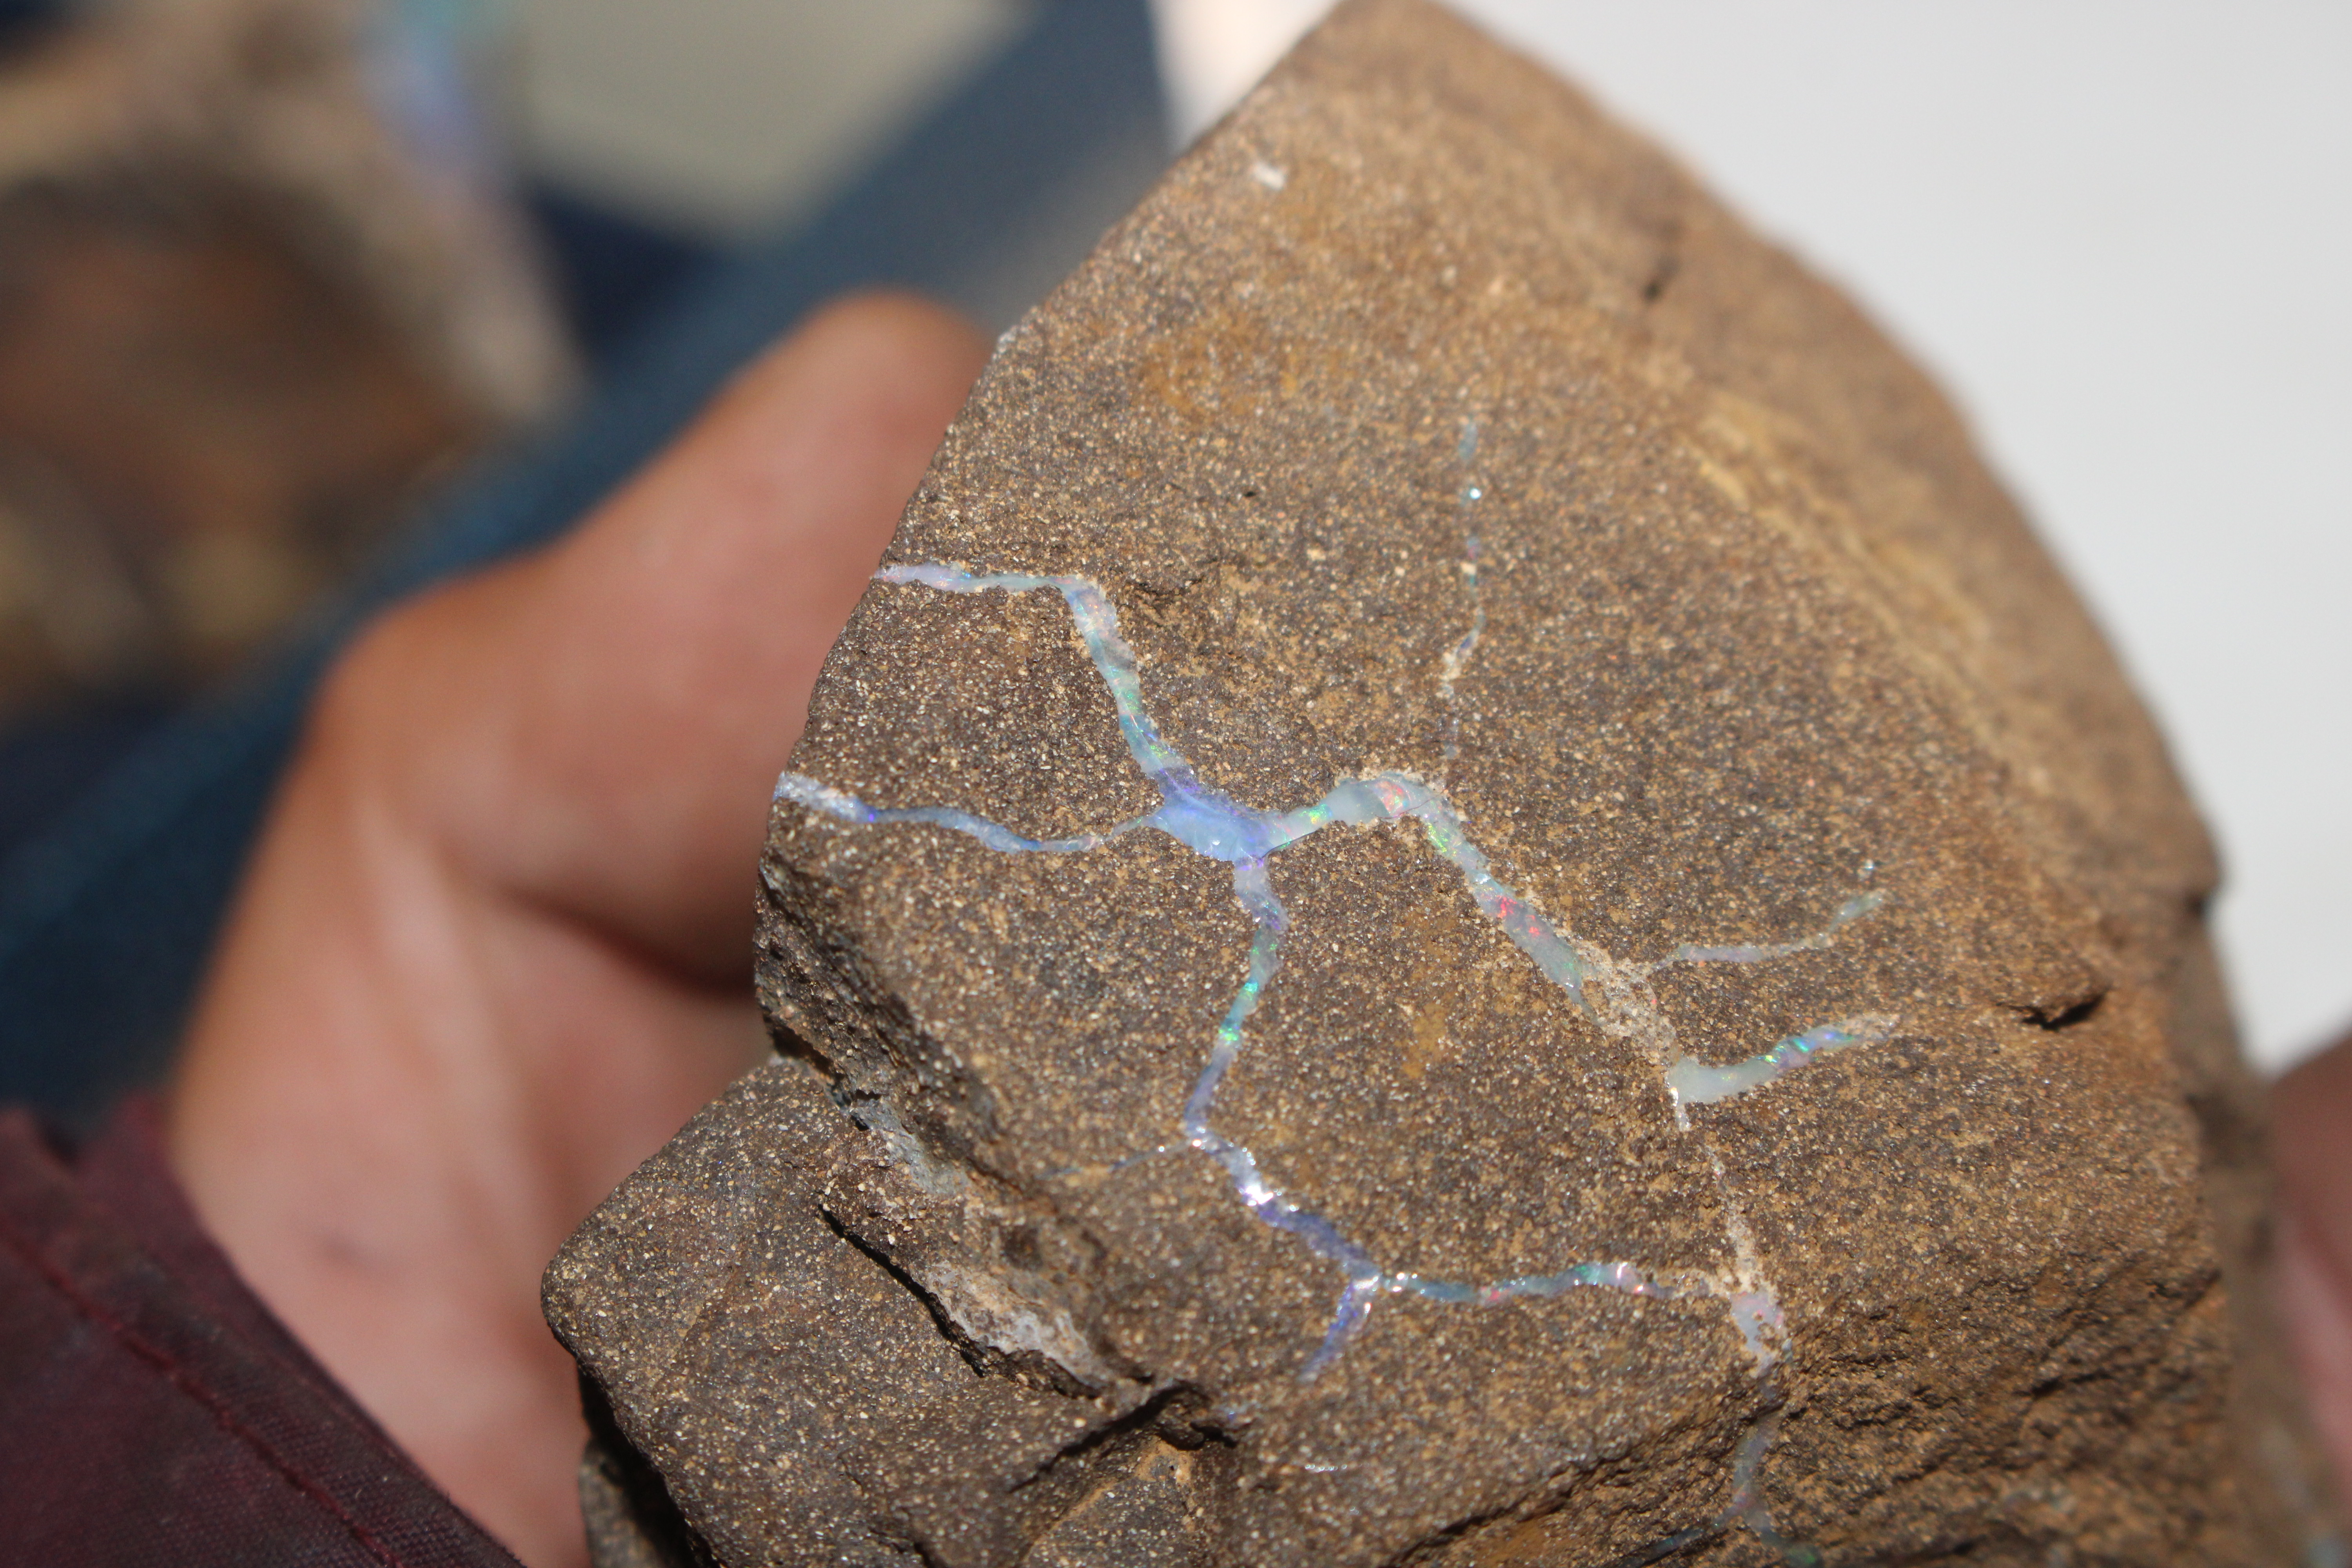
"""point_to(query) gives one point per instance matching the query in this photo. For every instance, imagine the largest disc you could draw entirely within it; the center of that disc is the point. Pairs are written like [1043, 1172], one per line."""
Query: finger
[599, 727]
[2311, 1121]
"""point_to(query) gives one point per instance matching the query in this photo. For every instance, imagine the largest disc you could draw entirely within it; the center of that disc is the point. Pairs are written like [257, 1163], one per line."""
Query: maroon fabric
[152, 1411]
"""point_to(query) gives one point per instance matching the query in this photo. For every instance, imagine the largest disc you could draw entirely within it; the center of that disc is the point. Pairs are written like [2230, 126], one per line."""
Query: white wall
[2121, 230]
[729, 117]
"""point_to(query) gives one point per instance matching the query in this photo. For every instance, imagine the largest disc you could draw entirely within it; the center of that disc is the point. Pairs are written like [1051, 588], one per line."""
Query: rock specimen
[1465, 896]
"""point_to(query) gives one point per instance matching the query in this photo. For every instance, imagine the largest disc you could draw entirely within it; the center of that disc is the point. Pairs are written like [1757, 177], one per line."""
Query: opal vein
[1218, 828]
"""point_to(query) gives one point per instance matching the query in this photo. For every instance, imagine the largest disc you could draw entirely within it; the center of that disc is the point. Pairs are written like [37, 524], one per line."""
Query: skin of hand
[2311, 1110]
[495, 944]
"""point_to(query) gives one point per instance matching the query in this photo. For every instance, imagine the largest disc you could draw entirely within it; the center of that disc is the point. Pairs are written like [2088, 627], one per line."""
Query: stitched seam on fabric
[139, 1345]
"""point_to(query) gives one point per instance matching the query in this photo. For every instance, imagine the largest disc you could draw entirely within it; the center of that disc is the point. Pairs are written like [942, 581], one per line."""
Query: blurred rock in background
[272, 271]
[259, 290]
[690, 190]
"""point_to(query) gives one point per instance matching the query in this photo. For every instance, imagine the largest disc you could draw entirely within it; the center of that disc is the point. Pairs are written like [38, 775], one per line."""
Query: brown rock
[1634, 986]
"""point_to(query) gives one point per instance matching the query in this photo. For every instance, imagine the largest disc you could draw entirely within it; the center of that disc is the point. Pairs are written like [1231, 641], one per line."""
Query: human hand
[496, 943]
[2312, 1111]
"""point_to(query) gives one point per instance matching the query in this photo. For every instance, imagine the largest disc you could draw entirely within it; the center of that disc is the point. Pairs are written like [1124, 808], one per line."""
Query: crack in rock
[1614, 993]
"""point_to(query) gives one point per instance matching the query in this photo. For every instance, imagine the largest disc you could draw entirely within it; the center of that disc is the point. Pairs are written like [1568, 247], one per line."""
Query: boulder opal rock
[1466, 895]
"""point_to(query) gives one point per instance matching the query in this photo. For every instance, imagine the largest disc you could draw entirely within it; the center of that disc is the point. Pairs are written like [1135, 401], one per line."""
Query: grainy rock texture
[1465, 897]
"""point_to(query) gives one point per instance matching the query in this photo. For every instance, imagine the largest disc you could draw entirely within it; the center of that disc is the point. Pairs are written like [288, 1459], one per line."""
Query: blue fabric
[105, 919]
[612, 271]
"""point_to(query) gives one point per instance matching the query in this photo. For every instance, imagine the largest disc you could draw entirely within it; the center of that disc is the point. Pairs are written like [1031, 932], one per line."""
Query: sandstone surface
[1465, 896]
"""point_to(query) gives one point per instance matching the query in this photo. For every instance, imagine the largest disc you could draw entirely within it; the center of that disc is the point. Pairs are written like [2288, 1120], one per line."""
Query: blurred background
[304, 303]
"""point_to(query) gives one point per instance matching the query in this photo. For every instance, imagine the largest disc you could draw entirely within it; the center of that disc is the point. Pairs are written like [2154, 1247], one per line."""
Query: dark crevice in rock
[633, 1519]
[913, 1552]
[2063, 1013]
[1437, 1547]
[1153, 599]
[1670, 1546]
[872, 1041]
[792, 1048]
[1654, 287]
[1147, 1419]
[980, 1358]
[1033, 1369]
[1485, 1536]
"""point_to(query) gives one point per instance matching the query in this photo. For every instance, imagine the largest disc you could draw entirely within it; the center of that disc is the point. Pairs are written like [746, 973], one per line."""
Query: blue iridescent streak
[1213, 824]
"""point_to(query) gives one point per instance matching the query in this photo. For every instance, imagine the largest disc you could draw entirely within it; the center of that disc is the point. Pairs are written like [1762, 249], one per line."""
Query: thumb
[602, 724]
